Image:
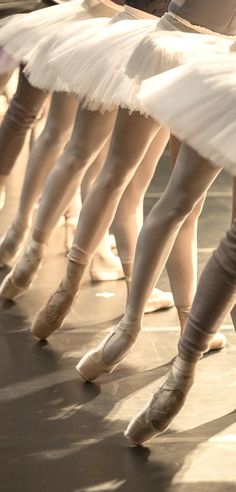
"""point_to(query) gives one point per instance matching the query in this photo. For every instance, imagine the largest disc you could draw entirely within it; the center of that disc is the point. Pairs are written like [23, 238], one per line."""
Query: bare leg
[131, 138]
[42, 158]
[91, 131]
[214, 299]
[18, 119]
[128, 220]
[105, 265]
[182, 262]
[190, 180]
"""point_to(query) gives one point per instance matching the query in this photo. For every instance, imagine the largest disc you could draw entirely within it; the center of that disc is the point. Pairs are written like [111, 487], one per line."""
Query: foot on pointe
[110, 352]
[52, 315]
[161, 409]
[11, 243]
[21, 276]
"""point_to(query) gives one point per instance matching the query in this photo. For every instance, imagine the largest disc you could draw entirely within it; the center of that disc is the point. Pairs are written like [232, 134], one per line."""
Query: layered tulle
[198, 103]
[107, 71]
[162, 51]
[22, 34]
[40, 71]
[96, 69]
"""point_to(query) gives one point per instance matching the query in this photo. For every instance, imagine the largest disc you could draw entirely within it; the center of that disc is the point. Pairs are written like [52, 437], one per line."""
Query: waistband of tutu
[178, 21]
[90, 4]
[138, 14]
[113, 5]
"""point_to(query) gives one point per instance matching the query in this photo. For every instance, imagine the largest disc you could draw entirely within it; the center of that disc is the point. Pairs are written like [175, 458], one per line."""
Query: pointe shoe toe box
[40, 328]
[91, 366]
[9, 290]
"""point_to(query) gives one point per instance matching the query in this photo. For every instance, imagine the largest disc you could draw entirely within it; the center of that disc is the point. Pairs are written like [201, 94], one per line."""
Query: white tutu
[95, 70]
[23, 34]
[107, 70]
[198, 103]
[40, 72]
[162, 51]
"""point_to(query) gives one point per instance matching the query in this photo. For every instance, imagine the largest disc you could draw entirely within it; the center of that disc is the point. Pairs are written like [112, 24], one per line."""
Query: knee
[76, 160]
[55, 135]
[115, 176]
[180, 207]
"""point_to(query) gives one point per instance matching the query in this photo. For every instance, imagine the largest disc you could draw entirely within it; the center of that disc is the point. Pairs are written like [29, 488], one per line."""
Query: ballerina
[213, 84]
[49, 212]
[131, 139]
[25, 105]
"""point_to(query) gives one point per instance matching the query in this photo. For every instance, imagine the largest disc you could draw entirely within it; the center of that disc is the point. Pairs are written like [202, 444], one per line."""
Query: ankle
[74, 274]
[183, 314]
[36, 247]
[131, 322]
[21, 221]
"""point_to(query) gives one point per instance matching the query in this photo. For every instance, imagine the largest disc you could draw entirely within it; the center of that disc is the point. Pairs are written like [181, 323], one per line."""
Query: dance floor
[59, 434]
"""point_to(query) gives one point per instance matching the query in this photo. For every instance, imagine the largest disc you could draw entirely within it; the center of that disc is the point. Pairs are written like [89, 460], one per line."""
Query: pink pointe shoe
[21, 276]
[163, 406]
[110, 352]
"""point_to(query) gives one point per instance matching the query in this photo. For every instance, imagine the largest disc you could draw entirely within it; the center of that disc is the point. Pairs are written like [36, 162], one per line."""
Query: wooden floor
[61, 435]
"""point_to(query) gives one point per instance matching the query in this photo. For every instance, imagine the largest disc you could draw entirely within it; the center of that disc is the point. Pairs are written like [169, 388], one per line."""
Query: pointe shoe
[218, 342]
[11, 243]
[2, 196]
[22, 275]
[159, 300]
[93, 365]
[106, 267]
[51, 317]
[159, 412]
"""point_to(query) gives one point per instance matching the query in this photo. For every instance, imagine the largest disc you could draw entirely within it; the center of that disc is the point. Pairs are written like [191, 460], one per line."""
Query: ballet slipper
[163, 406]
[105, 265]
[105, 268]
[159, 300]
[2, 196]
[12, 242]
[110, 352]
[217, 342]
[21, 276]
[51, 316]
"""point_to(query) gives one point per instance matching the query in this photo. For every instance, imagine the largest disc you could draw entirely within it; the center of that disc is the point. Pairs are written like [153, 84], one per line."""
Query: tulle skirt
[198, 103]
[22, 35]
[107, 69]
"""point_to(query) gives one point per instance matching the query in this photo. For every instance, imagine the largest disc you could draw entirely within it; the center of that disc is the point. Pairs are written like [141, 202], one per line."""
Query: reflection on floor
[61, 435]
